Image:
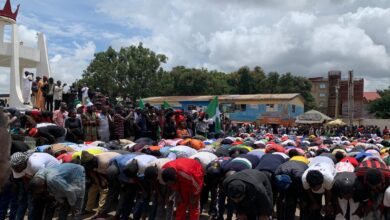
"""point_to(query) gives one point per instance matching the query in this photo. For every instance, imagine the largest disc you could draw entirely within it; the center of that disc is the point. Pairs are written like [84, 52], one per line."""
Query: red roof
[371, 96]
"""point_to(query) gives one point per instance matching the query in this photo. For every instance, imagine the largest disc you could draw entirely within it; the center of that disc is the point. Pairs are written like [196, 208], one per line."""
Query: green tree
[244, 81]
[133, 71]
[381, 106]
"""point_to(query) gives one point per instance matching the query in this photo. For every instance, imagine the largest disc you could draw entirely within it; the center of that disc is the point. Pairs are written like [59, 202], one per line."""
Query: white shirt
[36, 162]
[159, 163]
[84, 91]
[205, 158]
[326, 167]
[143, 162]
[386, 199]
[181, 151]
[344, 167]
[58, 90]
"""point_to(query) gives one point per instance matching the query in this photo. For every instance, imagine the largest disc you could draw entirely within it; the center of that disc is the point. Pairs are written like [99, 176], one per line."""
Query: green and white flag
[166, 105]
[141, 104]
[214, 113]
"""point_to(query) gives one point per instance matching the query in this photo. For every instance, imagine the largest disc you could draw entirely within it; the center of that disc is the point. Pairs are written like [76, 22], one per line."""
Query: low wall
[370, 121]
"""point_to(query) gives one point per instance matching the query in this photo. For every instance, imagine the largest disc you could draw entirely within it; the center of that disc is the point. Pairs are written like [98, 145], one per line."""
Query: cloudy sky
[304, 37]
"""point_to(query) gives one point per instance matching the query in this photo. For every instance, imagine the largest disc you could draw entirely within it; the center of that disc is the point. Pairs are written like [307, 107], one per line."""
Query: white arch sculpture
[18, 57]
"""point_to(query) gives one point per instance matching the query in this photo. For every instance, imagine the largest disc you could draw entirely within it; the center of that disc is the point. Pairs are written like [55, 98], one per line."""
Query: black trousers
[49, 103]
[57, 104]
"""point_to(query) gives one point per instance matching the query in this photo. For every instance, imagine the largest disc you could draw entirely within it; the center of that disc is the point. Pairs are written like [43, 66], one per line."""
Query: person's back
[65, 181]
[251, 191]
[270, 162]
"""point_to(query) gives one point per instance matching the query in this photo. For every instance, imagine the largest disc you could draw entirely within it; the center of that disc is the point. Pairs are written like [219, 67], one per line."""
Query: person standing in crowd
[27, 82]
[49, 93]
[182, 130]
[34, 90]
[385, 131]
[119, 123]
[40, 99]
[251, 192]
[84, 94]
[58, 92]
[104, 124]
[60, 115]
[74, 128]
[66, 182]
[185, 177]
[201, 125]
[90, 123]
[169, 130]
[79, 110]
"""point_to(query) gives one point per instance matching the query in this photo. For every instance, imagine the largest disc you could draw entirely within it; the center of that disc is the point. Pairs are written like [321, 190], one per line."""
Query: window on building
[293, 109]
[241, 107]
[322, 86]
[322, 94]
[321, 104]
[271, 108]
[191, 107]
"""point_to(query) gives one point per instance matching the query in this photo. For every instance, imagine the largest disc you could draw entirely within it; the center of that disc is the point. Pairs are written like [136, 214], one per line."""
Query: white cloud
[303, 37]
[27, 36]
[68, 68]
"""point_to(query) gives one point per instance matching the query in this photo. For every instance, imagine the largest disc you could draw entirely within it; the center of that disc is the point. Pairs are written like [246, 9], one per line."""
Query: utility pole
[350, 97]
[336, 114]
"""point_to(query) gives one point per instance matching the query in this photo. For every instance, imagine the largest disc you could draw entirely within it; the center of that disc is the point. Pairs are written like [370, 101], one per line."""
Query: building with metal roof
[265, 108]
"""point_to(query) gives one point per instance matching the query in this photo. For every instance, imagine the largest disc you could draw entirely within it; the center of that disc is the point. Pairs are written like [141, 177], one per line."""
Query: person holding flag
[213, 116]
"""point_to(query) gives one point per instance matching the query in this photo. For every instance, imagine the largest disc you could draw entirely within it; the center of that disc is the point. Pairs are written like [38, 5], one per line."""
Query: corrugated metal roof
[371, 96]
[286, 96]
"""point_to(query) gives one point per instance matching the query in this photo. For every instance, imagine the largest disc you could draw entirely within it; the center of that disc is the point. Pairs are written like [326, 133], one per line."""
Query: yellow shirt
[93, 151]
[301, 159]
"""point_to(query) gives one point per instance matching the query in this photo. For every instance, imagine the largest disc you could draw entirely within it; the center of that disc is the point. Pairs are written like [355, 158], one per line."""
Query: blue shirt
[121, 162]
[64, 181]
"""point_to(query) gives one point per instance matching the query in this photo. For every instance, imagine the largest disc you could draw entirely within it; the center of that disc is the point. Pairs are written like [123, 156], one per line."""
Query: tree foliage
[381, 106]
[136, 71]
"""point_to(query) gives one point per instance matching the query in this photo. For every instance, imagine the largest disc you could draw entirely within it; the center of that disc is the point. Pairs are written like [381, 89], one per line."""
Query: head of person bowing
[37, 187]
[236, 190]
[131, 169]
[374, 179]
[89, 161]
[315, 179]
[151, 173]
[18, 162]
[169, 176]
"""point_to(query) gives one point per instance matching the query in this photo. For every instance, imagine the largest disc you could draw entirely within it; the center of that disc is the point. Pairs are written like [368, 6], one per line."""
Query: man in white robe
[27, 81]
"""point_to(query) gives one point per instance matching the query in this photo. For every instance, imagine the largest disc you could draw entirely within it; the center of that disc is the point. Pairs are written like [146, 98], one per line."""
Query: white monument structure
[19, 57]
